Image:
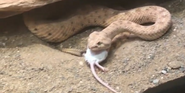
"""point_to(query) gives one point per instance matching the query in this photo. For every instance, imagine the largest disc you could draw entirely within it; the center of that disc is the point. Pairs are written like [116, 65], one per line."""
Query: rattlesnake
[130, 22]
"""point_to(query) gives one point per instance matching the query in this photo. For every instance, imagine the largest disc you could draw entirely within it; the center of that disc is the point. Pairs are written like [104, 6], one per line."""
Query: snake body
[60, 30]
[131, 21]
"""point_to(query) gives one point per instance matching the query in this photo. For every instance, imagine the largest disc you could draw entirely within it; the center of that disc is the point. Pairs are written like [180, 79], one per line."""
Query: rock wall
[12, 7]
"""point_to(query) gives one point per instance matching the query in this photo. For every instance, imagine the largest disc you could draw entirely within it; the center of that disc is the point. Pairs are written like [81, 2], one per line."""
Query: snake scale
[60, 30]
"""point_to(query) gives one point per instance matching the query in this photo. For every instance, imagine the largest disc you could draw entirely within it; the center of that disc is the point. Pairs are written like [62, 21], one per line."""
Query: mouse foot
[101, 67]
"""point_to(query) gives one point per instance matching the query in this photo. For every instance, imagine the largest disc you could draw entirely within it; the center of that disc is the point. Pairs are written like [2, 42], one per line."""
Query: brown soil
[30, 65]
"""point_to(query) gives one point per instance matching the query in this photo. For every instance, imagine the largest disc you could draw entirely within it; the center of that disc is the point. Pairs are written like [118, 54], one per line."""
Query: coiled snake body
[60, 30]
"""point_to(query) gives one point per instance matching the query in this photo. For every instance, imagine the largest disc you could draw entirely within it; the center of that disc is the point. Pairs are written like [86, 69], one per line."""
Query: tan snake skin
[117, 22]
[130, 22]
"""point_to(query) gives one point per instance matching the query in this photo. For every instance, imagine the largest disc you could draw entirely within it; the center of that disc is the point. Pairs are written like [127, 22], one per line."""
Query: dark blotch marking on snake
[128, 13]
[103, 21]
[147, 18]
[95, 20]
[105, 14]
[138, 10]
[82, 24]
[146, 9]
[72, 22]
[49, 34]
[35, 29]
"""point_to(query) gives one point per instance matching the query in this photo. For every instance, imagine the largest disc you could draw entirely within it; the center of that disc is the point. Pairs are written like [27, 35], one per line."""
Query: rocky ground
[30, 65]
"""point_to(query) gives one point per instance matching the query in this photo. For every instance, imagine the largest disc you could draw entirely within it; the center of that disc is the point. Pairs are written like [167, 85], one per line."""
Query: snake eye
[99, 43]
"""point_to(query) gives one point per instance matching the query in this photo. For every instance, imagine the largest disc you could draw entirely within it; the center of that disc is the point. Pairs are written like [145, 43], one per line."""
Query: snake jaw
[98, 41]
[99, 47]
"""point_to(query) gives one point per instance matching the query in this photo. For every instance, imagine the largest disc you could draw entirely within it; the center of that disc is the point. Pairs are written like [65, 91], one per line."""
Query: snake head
[98, 41]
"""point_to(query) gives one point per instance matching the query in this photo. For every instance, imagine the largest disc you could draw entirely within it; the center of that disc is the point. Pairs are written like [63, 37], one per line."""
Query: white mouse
[93, 59]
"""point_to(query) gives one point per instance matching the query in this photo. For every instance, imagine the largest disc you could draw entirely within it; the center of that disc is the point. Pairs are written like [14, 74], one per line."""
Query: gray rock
[155, 81]
[175, 64]
[163, 71]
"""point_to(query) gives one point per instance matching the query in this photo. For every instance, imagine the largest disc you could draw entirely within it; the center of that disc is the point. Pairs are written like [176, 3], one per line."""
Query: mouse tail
[99, 80]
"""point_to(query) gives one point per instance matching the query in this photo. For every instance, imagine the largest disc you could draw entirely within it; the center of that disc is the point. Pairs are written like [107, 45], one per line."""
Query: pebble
[182, 69]
[117, 88]
[175, 64]
[126, 60]
[151, 56]
[81, 63]
[136, 91]
[155, 81]
[163, 71]
[2, 44]
[20, 44]
[167, 69]
[3, 38]
[31, 92]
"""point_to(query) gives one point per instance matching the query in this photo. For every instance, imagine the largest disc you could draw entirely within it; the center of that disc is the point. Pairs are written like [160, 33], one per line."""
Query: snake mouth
[97, 50]
[94, 48]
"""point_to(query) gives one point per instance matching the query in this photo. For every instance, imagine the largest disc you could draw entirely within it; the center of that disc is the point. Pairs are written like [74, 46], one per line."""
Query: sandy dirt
[30, 65]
